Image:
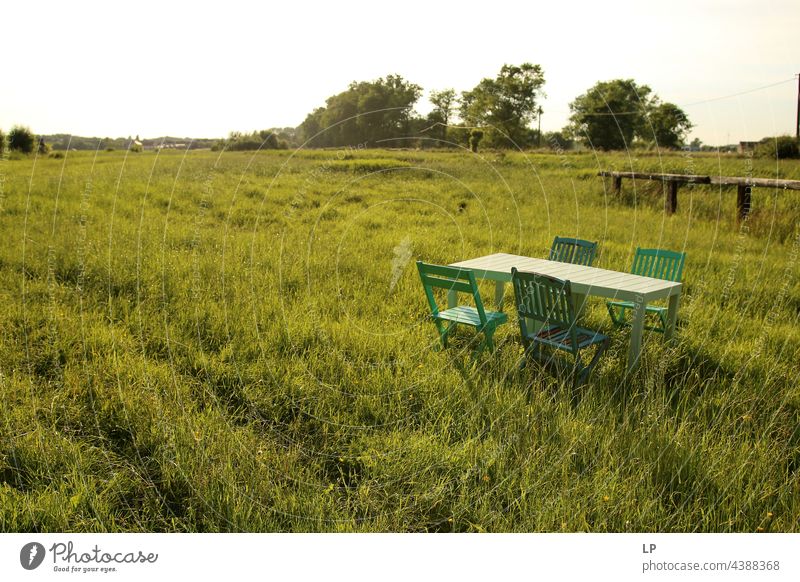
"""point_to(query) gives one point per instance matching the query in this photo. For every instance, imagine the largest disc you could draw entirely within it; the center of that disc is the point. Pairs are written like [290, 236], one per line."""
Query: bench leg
[672, 317]
[637, 331]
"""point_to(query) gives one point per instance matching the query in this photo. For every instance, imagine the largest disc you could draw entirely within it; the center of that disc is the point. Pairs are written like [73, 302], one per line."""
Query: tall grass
[238, 342]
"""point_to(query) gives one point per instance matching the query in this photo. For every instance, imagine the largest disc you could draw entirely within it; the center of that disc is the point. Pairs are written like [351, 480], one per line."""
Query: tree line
[24, 141]
[498, 112]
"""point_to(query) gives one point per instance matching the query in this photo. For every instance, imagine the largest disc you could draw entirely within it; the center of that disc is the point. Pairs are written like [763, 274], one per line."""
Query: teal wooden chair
[656, 263]
[573, 250]
[461, 281]
[550, 301]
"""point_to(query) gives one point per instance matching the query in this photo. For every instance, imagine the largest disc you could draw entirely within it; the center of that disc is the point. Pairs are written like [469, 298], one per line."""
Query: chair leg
[488, 334]
[601, 347]
[531, 351]
[578, 372]
[444, 331]
[617, 320]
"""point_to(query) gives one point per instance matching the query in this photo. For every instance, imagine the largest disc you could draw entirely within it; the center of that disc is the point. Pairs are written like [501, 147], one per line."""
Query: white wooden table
[585, 281]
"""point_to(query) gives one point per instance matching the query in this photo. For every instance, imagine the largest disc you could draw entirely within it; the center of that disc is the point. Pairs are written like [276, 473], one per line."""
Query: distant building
[746, 146]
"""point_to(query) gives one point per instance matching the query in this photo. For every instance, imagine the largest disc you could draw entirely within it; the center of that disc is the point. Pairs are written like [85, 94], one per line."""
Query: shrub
[367, 166]
[475, 137]
[57, 155]
[457, 135]
[782, 147]
[2, 142]
[21, 139]
[43, 148]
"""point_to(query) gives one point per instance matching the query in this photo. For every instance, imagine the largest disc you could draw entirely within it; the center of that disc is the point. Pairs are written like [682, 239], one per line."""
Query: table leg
[534, 325]
[637, 330]
[580, 304]
[672, 317]
[499, 292]
[452, 298]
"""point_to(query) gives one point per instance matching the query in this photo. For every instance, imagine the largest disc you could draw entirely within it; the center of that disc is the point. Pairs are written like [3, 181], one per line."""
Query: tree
[610, 114]
[441, 115]
[667, 125]
[269, 141]
[312, 124]
[367, 112]
[444, 103]
[506, 104]
[21, 139]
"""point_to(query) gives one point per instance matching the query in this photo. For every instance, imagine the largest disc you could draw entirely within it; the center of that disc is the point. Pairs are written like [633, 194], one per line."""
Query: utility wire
[616, 113]
[740, 93]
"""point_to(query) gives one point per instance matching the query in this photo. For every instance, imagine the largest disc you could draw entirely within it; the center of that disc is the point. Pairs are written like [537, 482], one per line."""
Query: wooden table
[585, 281]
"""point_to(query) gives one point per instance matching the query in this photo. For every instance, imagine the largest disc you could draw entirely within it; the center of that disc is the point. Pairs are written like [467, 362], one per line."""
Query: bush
[475, 137]
[782, 147]
[258, 140]
[2, 142]
[368, 165]
[456, 135]
[43, 148]
[21, 139]
[57, 155]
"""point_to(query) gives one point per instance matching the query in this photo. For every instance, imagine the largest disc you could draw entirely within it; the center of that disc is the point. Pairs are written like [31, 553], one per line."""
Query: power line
[738, 94]
[720, 98]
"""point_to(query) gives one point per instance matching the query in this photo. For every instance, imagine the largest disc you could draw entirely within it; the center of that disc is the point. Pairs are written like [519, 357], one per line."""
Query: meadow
[238, 341]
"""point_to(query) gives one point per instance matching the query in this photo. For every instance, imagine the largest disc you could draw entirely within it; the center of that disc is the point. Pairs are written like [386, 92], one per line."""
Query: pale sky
[203, 69]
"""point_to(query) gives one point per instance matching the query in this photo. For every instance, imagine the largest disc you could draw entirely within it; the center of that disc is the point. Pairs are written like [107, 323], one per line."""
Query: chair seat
[469, 315]
[559, 337]
[630, 305]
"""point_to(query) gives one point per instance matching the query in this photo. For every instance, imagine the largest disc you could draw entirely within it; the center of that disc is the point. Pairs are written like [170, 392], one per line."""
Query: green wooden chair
[656, 263]
[549, 300]
[462, 281]
[573, 250]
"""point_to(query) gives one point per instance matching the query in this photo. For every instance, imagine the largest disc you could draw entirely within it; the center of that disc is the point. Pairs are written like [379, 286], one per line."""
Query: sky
[200, 69]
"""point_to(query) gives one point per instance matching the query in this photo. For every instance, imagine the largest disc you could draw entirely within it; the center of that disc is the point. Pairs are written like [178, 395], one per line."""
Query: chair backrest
[573, 250]
[451, 279]
[658, 263]
[544, 298]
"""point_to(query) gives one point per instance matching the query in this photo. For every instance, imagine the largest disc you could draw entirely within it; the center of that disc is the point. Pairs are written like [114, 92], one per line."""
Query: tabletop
[584, 280]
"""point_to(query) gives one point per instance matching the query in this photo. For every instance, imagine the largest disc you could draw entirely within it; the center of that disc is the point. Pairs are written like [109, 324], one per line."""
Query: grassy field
[238, 342]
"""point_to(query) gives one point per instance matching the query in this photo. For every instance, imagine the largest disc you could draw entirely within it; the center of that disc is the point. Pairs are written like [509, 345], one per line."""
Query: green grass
[231, 342]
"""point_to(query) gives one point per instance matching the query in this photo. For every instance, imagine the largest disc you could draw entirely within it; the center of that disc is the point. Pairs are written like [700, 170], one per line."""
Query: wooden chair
[549, 300]
[573, 250]
[656, 263]
[462, 281]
